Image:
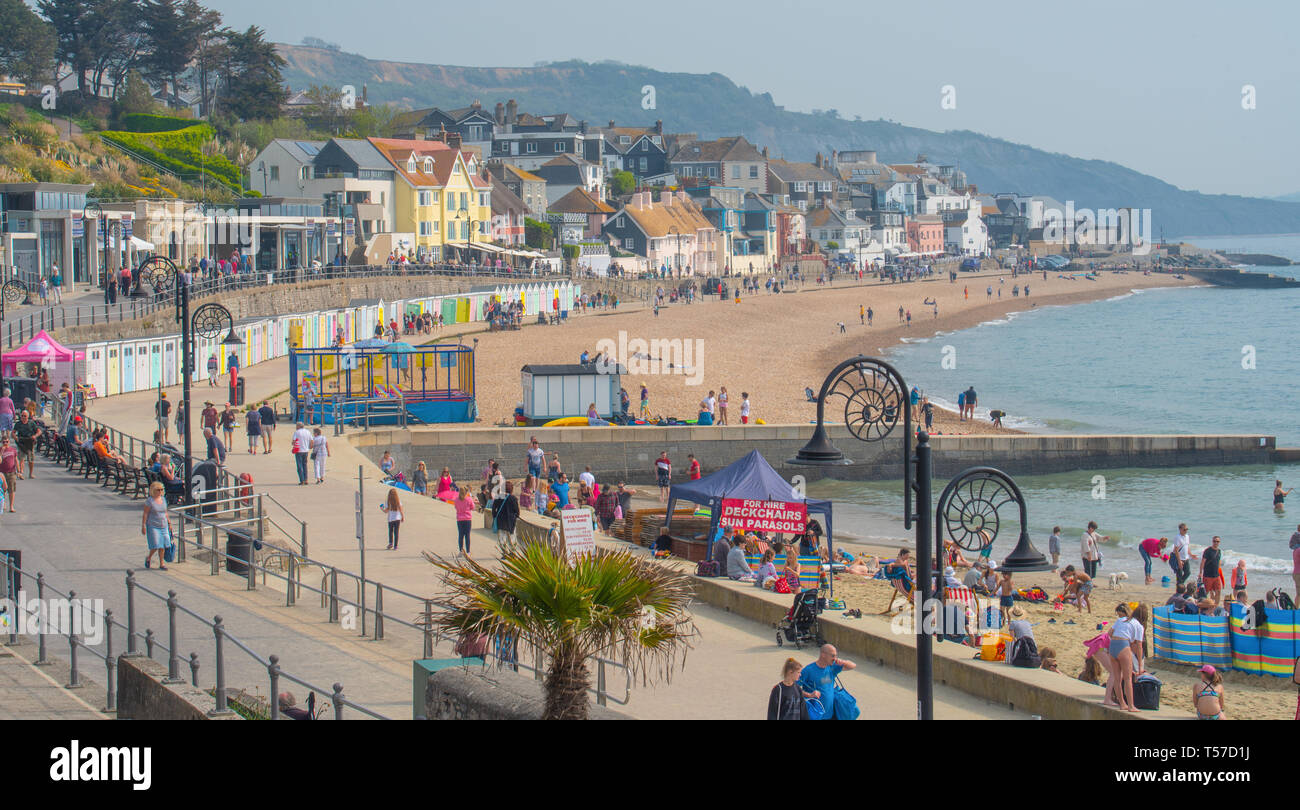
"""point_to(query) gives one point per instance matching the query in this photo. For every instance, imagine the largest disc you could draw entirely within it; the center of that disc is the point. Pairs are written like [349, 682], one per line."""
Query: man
[971, 401]
[25, 435]
[1180, 558]
[1211, 574]
[8, 469]
[536, 458]
[560, 489]
[507, 515]
[927, 410]
[1090, 548]
[300, 448]
[1054, 544]
[1295, 561]
[232, 363]
[819, 679]
[663, 474]
[694, 472]
[587, 478]
[162, 409]
[307, 411]
[267, 413]
[209, 416]
[216, 449]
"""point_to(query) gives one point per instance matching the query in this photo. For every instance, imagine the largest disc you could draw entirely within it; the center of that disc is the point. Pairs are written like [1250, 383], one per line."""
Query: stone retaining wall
[472, 694]
[142, 695]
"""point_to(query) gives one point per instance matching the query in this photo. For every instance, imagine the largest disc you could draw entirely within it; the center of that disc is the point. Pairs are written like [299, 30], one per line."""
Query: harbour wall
[628, 454]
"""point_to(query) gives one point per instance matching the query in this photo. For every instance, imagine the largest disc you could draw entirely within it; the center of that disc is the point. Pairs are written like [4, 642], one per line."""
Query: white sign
[579, 532]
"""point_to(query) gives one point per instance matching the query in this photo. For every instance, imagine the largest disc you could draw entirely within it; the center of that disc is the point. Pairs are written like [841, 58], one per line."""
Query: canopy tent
[751, 478]
[48, 353]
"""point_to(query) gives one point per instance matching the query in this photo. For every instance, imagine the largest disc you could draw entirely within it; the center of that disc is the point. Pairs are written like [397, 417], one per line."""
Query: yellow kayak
[571, 421]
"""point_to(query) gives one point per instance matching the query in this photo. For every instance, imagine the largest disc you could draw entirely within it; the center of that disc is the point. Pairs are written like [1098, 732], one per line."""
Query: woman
[526, 493]
[320, 450]
[386, 464]
[445, 486]
[253, 426]
[788, 700]
[1207, 697]
[464, 519]
[722, 406]
[1279, 496]
[393, 508]
[227, 424]
[1123, 635]
[553, 470]
[420, 480]
[1151, 548]
[154, 526]
[605, 504]
[592, 413]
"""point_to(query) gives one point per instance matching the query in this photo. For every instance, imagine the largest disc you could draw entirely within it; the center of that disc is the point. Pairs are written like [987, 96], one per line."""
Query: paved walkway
[28, 693]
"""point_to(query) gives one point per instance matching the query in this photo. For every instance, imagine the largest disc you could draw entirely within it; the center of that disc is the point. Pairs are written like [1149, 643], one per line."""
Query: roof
[789, 172]
[397, 151]
[564, 169]
[363, 153]
[908, 169]
[823, 216]
[510, 168]
[656, 219]
[570, 370]
[503, 200]
[579, 201]
[302, 151]
[733, 148]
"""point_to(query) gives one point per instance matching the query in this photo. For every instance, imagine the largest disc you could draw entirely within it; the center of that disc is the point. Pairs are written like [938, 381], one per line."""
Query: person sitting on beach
[955, 558]
[767, 571]
[1092, 671]
[899, 573]
[974, 579]
[737, 566]
[1207, 696]
[1048, 656]
[1206, 607]
[721, 548]
[950, 578]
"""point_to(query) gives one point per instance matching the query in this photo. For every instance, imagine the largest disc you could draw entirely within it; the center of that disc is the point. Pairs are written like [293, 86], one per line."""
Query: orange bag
[993, 646]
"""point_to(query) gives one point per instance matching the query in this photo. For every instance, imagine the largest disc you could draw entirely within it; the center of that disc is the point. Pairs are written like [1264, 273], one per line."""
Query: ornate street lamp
[969, 508]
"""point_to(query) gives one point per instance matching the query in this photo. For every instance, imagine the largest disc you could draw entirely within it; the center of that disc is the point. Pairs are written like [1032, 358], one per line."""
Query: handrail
[12, 572]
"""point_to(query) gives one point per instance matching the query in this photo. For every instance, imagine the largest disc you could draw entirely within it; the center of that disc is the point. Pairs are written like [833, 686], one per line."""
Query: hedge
[146, 122]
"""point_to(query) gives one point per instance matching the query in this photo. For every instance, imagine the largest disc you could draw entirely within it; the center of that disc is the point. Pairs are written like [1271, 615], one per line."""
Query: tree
[28, 45]
[94, 36]
[325, 108]
[606, 603]
[622, 182]
[537, 234]
[254, 87]
[174, 29]
[136, 98]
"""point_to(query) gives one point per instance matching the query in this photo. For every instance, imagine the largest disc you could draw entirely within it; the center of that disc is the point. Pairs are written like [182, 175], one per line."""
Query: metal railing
[14, 574]
[363, 411]
[153, 301]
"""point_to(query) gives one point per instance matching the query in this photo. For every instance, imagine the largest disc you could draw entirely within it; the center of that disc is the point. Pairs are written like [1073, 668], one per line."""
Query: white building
[965, 233]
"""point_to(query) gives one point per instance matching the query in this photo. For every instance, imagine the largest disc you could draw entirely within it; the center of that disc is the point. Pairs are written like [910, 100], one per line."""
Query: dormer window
[410, 163]
[428, 165]
[624, 140]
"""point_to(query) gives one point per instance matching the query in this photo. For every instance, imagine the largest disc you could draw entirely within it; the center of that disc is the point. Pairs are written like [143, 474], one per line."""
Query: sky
[1158, 86]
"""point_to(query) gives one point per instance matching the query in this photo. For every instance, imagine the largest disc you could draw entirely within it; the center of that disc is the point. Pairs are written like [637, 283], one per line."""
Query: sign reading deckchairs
[765, 516]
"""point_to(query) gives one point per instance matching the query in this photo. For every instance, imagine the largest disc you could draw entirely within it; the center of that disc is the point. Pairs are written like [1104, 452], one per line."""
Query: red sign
[765, 516]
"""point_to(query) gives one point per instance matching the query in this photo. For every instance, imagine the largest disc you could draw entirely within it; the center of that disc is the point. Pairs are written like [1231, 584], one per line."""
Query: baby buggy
[801, 625]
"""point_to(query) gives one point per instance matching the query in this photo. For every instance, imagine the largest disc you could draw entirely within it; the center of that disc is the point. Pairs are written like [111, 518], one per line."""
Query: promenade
[28, 692]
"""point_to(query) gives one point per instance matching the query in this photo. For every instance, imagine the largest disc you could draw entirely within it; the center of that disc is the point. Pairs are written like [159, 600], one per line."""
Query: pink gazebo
[46, 352]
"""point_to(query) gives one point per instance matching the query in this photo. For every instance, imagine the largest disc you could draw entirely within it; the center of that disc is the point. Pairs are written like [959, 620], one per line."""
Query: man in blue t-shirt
[560, 489]
[818, 678]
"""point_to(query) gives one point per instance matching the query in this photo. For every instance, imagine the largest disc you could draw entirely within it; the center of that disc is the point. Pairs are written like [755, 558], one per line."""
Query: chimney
[418, 135]
[870, 155]
[659, 127]
[476, 105]
[452, 139]
[764, 153]
[611, 123]
[683, 197]
[637, 201]
[512, 115]
[834, 154]
[363, 96]
[666, 198]
[500, 114]
[582, 127]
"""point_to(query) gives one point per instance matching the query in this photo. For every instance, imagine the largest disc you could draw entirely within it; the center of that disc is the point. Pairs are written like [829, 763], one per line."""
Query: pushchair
[801, 625]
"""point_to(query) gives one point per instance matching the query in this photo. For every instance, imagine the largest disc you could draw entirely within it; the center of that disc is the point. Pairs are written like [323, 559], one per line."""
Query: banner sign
[127, 223]
[349, 227]
[765, 516]
[579, 532]
[78, 227]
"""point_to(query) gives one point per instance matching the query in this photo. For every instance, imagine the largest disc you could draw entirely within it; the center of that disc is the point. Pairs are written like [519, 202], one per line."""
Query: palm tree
[604, 603]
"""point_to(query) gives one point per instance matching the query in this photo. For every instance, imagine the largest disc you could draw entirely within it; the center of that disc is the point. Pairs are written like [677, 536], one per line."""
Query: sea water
[1184, 360]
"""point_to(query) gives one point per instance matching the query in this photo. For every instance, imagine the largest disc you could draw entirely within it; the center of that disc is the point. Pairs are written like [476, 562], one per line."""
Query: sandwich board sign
[579, 532]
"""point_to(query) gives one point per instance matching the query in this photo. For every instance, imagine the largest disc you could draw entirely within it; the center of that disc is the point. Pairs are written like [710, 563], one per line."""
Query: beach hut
[558, 391]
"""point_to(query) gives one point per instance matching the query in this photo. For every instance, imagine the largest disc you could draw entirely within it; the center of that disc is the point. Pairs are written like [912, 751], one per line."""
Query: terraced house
[671, 233]
[439, 200]
[724, 162]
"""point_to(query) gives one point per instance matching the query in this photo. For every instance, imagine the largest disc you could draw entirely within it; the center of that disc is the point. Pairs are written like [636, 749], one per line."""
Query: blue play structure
[434, 383]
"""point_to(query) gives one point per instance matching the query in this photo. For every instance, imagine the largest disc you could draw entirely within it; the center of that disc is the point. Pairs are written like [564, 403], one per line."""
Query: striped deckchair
[809, 568]
[967, 602]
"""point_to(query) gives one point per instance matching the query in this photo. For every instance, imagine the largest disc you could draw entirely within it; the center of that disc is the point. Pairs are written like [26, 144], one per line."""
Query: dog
[1116, 578]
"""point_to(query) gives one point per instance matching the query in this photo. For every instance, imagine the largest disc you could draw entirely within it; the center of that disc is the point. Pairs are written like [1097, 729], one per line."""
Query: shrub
[147, 122]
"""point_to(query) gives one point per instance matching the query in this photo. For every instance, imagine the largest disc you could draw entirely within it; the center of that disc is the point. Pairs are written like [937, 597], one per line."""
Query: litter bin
[237, 392]
[239, 548]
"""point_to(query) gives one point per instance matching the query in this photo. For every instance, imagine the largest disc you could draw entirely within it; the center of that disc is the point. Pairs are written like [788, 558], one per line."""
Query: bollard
[173, 658]
[273, 670]
[148, 643]
[338, 701]
[216, 559]
[110, 664]
[130, 614]
[74, 678]
[194, 669]
[41, 660]
[290, 582]
[379, 611]
[218, 631]
[428, 628]
[334, 595]
[8, 577]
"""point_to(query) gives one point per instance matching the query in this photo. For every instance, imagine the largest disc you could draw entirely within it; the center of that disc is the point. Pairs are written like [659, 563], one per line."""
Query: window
[629, 243]
[531, 147]
[410, 163]
[753, 172]
[502, 147]
[657, 140]
[560, 146]
[800, 186]
[426, 228]
[624, 140]
[425, 198]
[645, 146]
[275, 173]
[713, 171]
[644, 165]
[464, 200]
[304, 173]
[821, 186]
[482, 198]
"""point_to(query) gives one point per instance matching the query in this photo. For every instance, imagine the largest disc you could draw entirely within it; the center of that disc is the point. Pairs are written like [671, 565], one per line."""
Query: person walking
[162, 410]
[267, 414]
[788, 700]
[507, 515]
[9, 468]
[300, 448]
[320, 450]
[26, 432]
[464, 519]
[818, 679]
[216, 450]
[419, 479]
[213, 371]
[228, 418]
[154, 525]
[56, 284]
[8, 412]
[663, 474]
[1090, 549]
[1054, 544]
[536, 457]
[393, 509]
[1211, 573]
[1180, 559]
[253, 427]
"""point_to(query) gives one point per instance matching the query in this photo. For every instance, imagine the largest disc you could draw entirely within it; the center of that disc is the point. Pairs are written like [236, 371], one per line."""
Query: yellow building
[439, 199]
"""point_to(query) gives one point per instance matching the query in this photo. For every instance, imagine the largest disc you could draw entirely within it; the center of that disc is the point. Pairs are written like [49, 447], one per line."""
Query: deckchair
[809, 568]
[896, 577]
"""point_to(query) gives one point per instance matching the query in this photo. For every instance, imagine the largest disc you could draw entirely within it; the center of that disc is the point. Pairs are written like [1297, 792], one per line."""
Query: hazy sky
[1155, 86]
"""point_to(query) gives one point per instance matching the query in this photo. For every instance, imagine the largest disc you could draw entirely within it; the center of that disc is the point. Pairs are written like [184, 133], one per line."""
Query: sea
[1185, 360]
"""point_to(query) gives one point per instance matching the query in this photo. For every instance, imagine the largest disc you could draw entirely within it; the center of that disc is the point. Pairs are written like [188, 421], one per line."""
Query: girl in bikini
[1207, 698]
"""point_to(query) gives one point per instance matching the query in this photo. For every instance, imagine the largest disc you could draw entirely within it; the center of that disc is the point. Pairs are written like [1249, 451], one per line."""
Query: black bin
[239, 551]
[237, 391]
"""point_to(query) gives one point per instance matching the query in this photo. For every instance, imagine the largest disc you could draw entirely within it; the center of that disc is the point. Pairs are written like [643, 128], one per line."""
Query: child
[744, 408]
[767, 570]
[1092, 671]
[1239, 576]
[395, 513]
[1006, 597]
[1207, 696]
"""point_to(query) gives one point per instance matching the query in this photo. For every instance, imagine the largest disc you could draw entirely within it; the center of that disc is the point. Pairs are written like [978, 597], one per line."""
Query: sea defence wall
[628, 454]
[1236, 277]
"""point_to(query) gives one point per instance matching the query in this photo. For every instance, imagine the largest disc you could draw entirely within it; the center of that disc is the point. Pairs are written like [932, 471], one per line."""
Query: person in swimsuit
[1125, 632]
[1207, 698]
[1279, 496]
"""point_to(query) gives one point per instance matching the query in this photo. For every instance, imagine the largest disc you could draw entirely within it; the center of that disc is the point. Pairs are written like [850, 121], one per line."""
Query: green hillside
[177, 144]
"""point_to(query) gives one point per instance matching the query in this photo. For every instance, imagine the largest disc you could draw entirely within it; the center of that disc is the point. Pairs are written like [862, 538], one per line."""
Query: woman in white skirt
[320, 451]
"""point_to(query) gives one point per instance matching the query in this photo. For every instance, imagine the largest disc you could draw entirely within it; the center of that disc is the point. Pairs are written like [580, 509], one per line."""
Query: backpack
[1284, 601]
[708, 568]
[1024, 653]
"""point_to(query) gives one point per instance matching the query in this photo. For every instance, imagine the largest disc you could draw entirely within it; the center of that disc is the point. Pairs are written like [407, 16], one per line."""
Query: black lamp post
[875, 397]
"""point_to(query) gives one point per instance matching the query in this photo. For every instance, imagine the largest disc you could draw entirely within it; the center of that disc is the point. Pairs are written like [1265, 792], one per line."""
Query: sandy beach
[773, 346]
[1246, 696]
